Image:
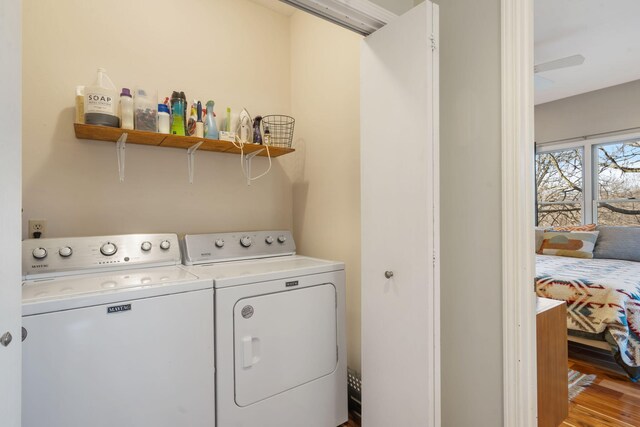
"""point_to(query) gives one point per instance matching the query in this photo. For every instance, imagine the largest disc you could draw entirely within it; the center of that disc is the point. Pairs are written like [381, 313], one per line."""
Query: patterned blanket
[603, 297]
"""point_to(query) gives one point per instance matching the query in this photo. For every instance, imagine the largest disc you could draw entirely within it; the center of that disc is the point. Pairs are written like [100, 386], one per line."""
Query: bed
[603, 301]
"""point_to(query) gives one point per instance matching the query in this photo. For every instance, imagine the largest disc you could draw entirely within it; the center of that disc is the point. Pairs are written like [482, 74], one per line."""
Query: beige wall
[605, 110]
[267, 62]
[325, 78]
[241, 59]
[470, 150]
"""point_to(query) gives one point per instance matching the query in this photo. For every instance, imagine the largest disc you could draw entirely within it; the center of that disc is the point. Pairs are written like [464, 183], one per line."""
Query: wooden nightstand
[553, 387]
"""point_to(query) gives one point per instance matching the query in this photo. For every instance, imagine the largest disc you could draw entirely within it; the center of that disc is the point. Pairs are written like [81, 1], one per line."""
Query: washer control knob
[245, 241]
[219, 243]
[282, 238]
[165, 244]
[268, 240]
[39, 253]
[108, 249]
[146, 246]
[65, 252]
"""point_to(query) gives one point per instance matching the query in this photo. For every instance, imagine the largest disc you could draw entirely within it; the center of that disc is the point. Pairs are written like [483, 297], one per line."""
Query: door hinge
[433, 42]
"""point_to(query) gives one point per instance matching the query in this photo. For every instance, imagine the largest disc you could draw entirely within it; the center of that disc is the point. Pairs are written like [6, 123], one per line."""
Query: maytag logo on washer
[290, 284]
[247, 311]
[118, 308]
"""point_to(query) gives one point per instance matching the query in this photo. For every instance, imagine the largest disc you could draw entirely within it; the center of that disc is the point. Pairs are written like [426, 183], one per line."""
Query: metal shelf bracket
[120, 147]
[191, 154]
[247, 164]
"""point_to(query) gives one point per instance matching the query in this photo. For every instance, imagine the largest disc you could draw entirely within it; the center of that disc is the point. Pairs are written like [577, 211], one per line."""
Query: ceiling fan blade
[569, 61]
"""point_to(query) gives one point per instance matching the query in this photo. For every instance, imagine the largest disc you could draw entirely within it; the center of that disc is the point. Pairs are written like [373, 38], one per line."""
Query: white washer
[280, 330]
[116, 334]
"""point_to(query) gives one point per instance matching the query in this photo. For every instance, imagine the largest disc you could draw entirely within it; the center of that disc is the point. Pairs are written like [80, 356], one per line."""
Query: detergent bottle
[101, 102]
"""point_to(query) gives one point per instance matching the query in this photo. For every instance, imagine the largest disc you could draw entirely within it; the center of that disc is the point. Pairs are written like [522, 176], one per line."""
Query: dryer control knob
[146, 246]
[165, 244]
[245, 241]
[65, 252]
[39, 253]
[268, 240]
[282, 238]
[108, 249]
[219, 243]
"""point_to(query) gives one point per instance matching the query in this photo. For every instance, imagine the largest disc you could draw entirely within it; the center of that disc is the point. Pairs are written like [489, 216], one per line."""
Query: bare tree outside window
[619, 183]
[559, 182]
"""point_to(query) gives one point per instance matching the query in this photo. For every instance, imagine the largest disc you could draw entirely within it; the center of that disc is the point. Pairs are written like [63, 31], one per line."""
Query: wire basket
[280, 128]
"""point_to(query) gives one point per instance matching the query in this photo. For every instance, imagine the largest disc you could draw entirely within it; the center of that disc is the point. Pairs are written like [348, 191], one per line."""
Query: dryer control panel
[217, 247]
[69, 255]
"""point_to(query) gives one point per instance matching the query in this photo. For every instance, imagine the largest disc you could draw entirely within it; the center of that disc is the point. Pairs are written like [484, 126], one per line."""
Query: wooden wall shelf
[105, 133]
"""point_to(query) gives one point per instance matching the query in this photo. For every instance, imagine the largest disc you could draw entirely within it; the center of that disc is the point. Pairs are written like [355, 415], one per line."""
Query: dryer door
[283, 340]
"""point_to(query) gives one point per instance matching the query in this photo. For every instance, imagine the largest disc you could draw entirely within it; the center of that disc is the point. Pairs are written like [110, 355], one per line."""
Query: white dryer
[280, 330]
[115, 333]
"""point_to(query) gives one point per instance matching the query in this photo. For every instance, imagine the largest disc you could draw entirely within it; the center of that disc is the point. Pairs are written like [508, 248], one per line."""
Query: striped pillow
[576, 244]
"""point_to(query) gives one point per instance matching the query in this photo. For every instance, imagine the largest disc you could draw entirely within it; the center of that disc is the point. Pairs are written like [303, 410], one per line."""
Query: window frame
[589, 146]
[582, 202]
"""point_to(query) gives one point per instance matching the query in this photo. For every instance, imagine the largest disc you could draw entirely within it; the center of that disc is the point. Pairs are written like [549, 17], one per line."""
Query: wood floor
[612, 400]
[352, 422]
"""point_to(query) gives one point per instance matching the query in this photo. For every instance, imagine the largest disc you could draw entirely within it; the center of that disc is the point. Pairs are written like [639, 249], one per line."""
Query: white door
[10, 225]
[400, 317]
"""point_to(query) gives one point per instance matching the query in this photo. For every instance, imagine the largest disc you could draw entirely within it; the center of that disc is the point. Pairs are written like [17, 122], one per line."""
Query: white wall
[325, 76]
[470, 164]
[605, 110]
[240, 59]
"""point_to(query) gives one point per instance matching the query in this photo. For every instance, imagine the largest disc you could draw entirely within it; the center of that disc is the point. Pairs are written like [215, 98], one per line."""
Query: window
[589, 181]
[618, 178]
[559, 183]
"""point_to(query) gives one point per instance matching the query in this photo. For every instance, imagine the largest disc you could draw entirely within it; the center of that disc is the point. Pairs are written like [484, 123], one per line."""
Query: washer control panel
[216, 247]
[56, 256]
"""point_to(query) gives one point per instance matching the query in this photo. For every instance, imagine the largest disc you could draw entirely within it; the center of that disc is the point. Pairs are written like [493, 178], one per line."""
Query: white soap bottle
[101, 102]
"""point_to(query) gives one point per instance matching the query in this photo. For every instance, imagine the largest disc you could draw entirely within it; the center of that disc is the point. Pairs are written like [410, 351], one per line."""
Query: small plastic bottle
[80, 104]
[164, 119]
[257, 135]
[126, 109]
[199, 125]
[266, 138]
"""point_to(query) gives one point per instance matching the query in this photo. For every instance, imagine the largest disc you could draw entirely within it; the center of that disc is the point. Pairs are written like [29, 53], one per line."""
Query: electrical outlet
[37, 228]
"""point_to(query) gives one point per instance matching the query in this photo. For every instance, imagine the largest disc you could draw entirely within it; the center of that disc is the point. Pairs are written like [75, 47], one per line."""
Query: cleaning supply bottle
[266, 138]
[101, 102]
[164, 119]
[178, 105]
[210, 127]
[126, 109]
[257, 135]
[199, 124]
[192, 118]
[80, 104]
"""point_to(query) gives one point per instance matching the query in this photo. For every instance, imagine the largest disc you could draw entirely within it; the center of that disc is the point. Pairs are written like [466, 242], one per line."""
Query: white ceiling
[605, 32]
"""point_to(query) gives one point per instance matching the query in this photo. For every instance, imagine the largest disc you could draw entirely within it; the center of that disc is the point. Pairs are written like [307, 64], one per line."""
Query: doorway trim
[518, 259]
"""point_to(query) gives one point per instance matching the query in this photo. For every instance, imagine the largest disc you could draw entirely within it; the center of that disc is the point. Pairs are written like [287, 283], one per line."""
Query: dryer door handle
[250, 351]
